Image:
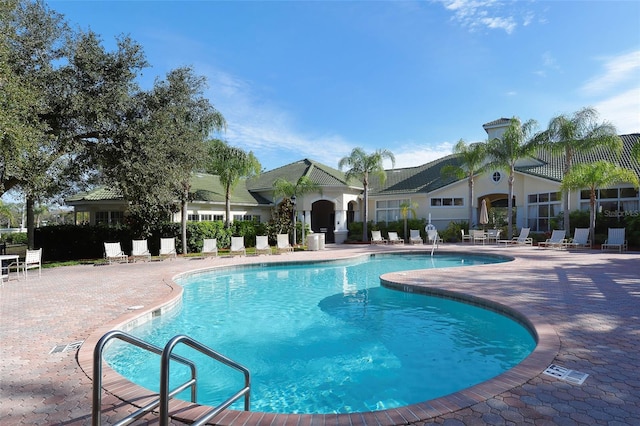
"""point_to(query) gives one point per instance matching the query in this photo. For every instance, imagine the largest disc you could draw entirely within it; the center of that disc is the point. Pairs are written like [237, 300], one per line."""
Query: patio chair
[168, 248]
[478, 235]
[237, 246]
[394, 239]
[283, 245]
[493, 235]
[210, 247]
[556, 240]
[580, 239]
[376, 238]
[465, 237]
[262, 245]
[32, 260]
[615, 239]
[140, 250]
[414, 237]
[113, 253]
[523, 239]
[433, 238]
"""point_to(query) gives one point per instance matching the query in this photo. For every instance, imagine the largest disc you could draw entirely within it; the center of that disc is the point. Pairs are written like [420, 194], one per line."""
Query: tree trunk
[365, 231]
[183, 226]
[227, 204]
[470, 201]
[30, 223]
[510, 206]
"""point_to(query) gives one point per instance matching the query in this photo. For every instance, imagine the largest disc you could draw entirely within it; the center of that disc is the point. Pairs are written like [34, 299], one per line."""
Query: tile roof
[100, 193]
[319, 173]
[421, 179]
[500, 122]
[206, 187]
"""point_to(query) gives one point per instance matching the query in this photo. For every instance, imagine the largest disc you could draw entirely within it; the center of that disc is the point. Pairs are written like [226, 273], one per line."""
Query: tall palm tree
[635, 151]
[361, 165]
[230, 164]
[579, 133]
[593, 176]
[472, 161]
[304, 185]
[517, 142]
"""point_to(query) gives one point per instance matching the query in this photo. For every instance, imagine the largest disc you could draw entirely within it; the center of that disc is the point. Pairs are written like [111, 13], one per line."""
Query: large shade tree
[231, 164]
[568, 135]
[593, 176]
[472, 160]
[517, 142]
[361, 166]
[294, 191]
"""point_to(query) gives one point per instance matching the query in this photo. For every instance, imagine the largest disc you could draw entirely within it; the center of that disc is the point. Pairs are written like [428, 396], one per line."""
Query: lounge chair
[556, 240]
[210, 247]
[478, 235]
[283, 244]
[394, 239]
[414, 237]
[433, 238]
[168, 248]
[465, 237]
[376, 238]
[580, 239]
[237, 246]
[615, 239]
[493, 235]
[522, 239]
[113, 253]
[32, 260]
[140, 250]
[262, 245]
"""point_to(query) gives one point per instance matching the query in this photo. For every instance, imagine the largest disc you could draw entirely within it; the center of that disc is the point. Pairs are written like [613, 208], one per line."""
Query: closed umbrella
[484, 215]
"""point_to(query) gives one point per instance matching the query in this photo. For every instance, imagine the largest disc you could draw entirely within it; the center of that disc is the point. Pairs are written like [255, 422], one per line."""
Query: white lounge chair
[140, 250]
[556, 240]
[394, 239]
[615, 239]
[433, 237]
[465, 237]
[283, 245]
[376, 238]
[262, 245]
[478, 235]
[168, 248]
[210, 247]
[237, 246]
[522, 239]
[113, 253]
[32, 260]
[493, 235]
[414, 237]
[580, 239]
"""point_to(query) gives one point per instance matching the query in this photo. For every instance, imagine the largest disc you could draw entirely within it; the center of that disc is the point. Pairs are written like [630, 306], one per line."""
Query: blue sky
[315, 79]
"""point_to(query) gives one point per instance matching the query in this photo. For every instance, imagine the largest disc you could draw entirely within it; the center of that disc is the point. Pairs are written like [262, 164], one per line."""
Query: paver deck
[585, 303]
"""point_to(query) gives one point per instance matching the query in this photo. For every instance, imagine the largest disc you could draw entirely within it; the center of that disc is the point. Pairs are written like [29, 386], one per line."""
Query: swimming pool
[378, 348]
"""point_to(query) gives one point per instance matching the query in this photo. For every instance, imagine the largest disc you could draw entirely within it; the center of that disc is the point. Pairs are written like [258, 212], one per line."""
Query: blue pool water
[327, 338]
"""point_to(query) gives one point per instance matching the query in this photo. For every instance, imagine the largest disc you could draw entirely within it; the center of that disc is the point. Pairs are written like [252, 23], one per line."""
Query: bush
[452, 232]
[14, 238]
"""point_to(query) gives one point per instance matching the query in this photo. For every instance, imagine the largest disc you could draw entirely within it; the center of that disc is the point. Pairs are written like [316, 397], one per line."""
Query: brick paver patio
[585, 304]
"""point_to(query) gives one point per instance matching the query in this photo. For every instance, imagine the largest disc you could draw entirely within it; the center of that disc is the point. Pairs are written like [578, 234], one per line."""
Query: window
[613, 202]
[389, 210]
[109, 218]
[542, 208]
[496, 177]
[246, 218]
[447, 202]
[203, 217]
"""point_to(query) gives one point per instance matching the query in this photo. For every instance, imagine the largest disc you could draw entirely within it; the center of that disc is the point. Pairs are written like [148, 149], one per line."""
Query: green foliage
[452, 232]
[14, 238]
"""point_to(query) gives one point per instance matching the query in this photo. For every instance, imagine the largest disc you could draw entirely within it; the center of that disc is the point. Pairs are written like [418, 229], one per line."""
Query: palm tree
[406, 208]
[600, 174]
[579, 133]
[516, 143]
[230, 164]
[361, 165]
[472, 161]
[635, 151]
[304, 185]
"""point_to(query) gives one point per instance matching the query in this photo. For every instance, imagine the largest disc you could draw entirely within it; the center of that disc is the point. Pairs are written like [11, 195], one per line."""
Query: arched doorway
[323, 218]
[497, 205]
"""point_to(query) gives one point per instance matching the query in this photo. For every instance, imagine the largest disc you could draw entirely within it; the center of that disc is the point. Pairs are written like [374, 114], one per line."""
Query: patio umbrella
[484, 215]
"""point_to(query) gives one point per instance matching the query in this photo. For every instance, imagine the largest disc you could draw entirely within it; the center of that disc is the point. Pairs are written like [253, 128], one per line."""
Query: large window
[246, 217]
[109, 218]
[389, 210]
[204, 217]
[542, 208]
[613, 202]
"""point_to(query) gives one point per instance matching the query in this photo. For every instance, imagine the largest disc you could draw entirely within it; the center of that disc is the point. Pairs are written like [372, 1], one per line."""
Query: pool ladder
[162, 401]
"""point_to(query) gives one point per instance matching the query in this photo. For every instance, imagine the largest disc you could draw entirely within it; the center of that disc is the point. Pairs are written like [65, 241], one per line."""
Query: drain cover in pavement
[66, 348]
[571, 376]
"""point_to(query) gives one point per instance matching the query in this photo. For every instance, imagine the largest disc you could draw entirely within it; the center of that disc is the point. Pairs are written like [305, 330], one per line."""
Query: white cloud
[474, 14]
[411, 155]
[617, 70]
[622, 110]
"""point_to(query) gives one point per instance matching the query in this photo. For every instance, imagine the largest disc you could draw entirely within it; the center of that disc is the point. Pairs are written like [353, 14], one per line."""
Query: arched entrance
[323, 218]
[497, 205]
